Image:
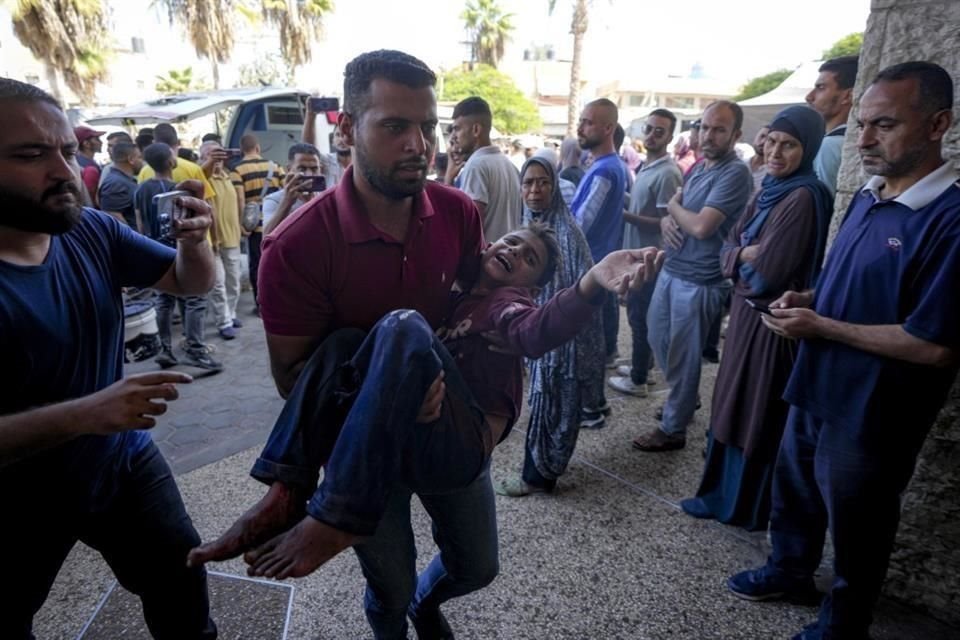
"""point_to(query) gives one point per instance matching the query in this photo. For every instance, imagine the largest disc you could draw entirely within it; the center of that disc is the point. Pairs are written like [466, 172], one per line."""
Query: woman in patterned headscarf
[571, 376]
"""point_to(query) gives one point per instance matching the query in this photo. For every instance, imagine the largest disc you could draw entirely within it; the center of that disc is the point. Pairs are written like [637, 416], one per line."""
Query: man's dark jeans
[132, 513]
[611, 323]
[194, 310]
[373, 386]
[825, 475]
[254, 240]
[638, 303]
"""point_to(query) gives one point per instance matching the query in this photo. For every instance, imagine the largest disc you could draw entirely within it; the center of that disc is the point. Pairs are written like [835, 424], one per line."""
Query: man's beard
[20, 212]
[908, 160]
[385, 182]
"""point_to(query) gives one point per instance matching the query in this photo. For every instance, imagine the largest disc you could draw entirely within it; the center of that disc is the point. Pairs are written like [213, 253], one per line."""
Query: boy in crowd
[373, 386]
[159, 157]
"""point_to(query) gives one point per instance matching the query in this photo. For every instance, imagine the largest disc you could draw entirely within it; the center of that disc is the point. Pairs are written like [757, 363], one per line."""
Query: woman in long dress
[571, 376]
[775, 247]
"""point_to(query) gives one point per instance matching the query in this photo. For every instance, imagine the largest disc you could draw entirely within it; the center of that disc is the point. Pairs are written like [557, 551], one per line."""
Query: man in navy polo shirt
[383, 239]
[880, 337]
[74, 461]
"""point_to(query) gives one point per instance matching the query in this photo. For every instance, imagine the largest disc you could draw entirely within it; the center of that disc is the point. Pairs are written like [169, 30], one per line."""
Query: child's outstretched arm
[532, 331]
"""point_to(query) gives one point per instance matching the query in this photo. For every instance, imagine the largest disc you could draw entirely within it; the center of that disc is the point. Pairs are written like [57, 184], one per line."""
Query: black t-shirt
[143, 201]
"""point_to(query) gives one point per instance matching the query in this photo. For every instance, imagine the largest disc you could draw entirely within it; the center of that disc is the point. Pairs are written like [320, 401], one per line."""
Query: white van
[274, 114]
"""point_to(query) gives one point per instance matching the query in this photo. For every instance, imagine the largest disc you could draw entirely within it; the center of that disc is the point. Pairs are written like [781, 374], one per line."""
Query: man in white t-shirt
[488, 177]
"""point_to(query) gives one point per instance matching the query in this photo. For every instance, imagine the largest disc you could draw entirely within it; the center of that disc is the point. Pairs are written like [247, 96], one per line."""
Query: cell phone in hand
[234, 153]
[319, 105]
[168, 210]
[762, 308]
[316, 183]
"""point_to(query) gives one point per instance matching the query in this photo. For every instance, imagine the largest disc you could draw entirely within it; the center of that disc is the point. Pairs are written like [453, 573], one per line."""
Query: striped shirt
[251, 174]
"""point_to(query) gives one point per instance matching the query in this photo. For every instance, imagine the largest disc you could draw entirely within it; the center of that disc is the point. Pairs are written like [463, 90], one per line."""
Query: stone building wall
[925, 567]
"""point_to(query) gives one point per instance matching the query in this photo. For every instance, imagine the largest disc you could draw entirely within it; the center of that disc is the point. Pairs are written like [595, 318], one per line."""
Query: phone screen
[762, 308]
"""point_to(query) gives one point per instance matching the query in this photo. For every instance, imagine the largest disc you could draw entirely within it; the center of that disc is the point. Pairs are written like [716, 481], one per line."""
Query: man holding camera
[304, 180]
[74, 461]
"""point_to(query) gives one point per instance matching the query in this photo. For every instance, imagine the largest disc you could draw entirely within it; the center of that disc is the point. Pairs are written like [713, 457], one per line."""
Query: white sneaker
[624, 384]
[624, 370]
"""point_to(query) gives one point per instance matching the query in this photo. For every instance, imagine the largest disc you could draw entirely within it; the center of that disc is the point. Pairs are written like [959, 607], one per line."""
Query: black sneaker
[202, 360]
[431, 625]
[763, 584]
[166, 359]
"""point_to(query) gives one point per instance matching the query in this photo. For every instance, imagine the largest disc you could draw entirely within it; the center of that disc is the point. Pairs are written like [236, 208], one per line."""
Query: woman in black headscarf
[777, 246]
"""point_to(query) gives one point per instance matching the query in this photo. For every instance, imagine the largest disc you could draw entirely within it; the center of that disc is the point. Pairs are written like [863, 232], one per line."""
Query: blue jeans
[678, 323]
[826, 475]
[194, 312]
[638, 305]
[353, 411]
[130, 511]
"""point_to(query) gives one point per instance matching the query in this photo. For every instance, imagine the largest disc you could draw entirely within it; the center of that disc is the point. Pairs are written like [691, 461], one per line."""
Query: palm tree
[578, 27]
[210, 24]
[70, 38]
[300, 23]
[490, 29]
[176, 81]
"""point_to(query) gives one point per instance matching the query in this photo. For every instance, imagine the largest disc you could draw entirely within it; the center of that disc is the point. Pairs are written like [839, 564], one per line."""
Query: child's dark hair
[548, 237]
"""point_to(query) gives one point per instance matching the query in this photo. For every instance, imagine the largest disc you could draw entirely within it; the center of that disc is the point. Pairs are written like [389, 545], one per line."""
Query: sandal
[657, 440]
[516, 488]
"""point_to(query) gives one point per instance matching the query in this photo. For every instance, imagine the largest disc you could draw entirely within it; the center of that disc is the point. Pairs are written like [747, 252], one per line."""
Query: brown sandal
[657, 440]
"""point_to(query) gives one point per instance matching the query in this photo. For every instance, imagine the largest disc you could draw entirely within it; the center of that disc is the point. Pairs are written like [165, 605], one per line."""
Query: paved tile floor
[610, 555]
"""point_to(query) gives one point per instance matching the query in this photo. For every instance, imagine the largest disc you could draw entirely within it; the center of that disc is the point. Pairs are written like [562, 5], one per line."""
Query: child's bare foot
[300, 551]
[276, 512]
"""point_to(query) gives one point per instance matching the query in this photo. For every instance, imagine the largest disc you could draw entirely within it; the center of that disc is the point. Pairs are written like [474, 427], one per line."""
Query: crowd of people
[502, 277]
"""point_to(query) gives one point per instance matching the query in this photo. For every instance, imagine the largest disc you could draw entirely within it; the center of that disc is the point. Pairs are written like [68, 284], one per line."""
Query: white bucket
[137, 319]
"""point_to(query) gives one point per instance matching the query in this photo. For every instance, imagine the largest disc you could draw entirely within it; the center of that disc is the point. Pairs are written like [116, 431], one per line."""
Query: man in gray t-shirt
[488, 177]
[691, 288]
[656, 183]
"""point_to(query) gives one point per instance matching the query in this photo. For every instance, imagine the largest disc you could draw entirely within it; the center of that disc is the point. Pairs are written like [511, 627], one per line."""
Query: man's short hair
[606, 104]
[844, 70]
[119, 134]
[666, 113]
[157, 156]
[248, 143]
[211, 137]
[476, 107]
[144, 140]
[619, 135]
[554, 254]
[394, 66]
[302, 148]
[14, 90]
[166, 134]
[935, 84]
[734, 107]
[121, 151]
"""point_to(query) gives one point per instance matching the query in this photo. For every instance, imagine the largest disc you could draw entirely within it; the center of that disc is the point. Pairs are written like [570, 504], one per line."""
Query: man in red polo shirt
[384, 239]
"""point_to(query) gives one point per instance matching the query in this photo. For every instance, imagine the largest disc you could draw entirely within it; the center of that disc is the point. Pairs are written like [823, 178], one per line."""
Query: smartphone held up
[169, 210]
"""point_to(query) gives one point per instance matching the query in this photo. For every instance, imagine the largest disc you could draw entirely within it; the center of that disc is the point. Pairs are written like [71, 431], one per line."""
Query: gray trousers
[678, 323]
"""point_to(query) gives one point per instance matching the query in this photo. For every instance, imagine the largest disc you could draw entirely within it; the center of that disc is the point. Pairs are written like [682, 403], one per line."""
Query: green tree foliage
[489, 29]
[761, 85]
[512, 111]
[177, 81]
[71, 39]
[848, 45]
